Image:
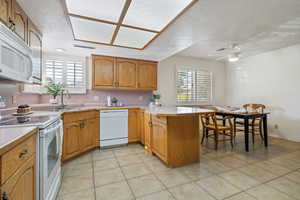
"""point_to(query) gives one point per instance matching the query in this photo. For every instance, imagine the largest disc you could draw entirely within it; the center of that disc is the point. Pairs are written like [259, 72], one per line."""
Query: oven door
[50, 158]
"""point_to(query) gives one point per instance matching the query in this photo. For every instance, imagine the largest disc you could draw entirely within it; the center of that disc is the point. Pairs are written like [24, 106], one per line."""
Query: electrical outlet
[141, 98]
[276, 126]
[14, 99]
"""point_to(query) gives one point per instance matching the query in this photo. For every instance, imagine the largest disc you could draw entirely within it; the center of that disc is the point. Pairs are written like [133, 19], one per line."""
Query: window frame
[211, 95]
[39, 89]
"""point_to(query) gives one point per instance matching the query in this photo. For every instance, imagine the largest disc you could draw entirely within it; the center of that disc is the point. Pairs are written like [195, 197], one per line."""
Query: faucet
[63, 92]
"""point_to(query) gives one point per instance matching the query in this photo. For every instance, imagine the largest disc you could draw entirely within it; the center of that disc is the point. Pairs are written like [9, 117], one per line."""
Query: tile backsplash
[92, 96]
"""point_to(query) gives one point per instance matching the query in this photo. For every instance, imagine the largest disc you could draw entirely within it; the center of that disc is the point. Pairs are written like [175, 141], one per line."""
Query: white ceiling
[258, 25]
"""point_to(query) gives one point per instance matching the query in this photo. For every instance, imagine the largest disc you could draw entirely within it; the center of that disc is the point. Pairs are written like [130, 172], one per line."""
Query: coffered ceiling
[123, 23]
[258, 26]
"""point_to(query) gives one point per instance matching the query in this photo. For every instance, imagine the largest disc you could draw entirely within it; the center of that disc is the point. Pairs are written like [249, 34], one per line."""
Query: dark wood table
[246, 117]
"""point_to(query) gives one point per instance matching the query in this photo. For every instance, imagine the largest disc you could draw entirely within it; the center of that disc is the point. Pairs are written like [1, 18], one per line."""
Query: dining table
[247, 116]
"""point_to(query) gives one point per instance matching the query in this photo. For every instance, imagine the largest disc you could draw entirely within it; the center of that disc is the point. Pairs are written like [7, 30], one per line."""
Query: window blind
[54, 71]
[71, 73]
[193, 86]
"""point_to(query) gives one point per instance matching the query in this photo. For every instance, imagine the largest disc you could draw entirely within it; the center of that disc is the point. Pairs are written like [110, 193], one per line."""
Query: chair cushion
[220, 127]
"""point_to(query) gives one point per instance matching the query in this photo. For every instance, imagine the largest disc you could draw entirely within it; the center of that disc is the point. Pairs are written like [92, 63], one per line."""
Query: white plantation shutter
[193, 86]
[75, 74]
[54, 70]
[69, 72]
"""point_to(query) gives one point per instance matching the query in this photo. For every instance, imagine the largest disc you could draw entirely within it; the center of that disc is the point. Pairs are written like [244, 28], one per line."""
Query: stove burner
[24, 120]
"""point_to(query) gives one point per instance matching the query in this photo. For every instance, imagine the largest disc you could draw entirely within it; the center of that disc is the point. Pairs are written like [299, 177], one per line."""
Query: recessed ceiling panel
[154, 14]
[133, 37]
[92, 30]
[109, 10]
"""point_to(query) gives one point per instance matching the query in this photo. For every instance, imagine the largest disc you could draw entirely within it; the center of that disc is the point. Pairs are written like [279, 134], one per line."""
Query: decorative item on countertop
[54, 89]
[114, 101]
[154, 99]
[23, 110]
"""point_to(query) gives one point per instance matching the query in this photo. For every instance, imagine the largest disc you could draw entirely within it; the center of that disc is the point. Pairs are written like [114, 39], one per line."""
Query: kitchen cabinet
[35, 43]
[71, 145]
[18, 170]
[20, 21]
[159, 137]
[147, 130]
[103, 72]
[81, 133]
[5, 11]
[123, 74]
[147, 75]
[126, 73]
[175, 139]
[142, 127]
[134, 125]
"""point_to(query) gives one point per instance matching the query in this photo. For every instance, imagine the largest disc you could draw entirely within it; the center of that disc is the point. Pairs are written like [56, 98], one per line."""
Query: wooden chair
[255, 125]
[210, 123]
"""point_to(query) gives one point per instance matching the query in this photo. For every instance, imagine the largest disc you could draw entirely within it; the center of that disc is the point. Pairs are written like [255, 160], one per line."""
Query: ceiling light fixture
[60, 50]
[234, 57]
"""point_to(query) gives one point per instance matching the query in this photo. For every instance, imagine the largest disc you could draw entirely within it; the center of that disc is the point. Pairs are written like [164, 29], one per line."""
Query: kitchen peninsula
[171, 133]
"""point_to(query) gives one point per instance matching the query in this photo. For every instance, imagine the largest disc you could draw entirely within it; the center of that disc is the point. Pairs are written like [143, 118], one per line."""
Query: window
[193, 86]
[71, 73]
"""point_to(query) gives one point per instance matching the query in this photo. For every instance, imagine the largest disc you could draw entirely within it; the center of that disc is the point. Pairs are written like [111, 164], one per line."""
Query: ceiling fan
[232, 53]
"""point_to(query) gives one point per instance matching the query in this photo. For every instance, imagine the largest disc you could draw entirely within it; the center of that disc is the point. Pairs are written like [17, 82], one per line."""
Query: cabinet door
[159, 139]
[89, 134]
[147, 130]
[133, 126]
[147, 75]
[71, 141]
[103, 72]
[5, 11]
[21, 186]
[142, 128]
[20, 20]
[126, 73]
[35, 42]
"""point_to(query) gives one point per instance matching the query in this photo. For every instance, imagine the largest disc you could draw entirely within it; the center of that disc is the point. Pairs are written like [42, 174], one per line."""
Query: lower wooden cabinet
[159, 137]
[18, 181]
[147, 130]
[21, 186]
[81, 133]
[134, 125]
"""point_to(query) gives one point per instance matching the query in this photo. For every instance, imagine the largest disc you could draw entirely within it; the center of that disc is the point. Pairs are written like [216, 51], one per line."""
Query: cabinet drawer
[78, 116]
[13, 159]
[159, 120]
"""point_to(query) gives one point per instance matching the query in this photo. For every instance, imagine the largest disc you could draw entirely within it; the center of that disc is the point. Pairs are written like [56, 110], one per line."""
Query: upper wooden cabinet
[147, 75]
[5, 11]
[103, 72]
[20, 21]
[35, 42]
[126, 73]
[121, 73]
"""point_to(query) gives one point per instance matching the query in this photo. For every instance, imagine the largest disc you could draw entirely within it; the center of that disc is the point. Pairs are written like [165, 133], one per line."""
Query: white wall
[166, 77]
[272, 79]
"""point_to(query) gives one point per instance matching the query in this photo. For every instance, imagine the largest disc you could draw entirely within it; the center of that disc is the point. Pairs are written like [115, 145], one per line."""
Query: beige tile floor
[131, 173]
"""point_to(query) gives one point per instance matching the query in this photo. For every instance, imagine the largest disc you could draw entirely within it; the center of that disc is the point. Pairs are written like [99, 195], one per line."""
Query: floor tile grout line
[131, 190]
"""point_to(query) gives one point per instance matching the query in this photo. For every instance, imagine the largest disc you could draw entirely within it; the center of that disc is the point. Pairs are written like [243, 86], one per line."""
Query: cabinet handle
[5, 196]
[23, 153]
[12, 25]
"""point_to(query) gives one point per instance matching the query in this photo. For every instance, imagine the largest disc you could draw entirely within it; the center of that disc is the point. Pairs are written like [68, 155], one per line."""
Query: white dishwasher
[113, 127]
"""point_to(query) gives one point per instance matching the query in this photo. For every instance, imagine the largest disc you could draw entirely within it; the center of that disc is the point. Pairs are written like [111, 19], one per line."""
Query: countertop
[13, 135]
[176, 111]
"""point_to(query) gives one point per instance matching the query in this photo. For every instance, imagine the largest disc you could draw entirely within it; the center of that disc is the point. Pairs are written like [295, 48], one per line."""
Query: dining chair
[210, 123]
[255, 125]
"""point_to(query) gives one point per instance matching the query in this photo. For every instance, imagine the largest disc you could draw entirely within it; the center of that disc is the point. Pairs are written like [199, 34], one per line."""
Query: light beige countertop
[176, 111]
[13, 135]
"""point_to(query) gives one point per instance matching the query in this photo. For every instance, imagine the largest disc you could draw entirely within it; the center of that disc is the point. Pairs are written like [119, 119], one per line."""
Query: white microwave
[15, 57]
